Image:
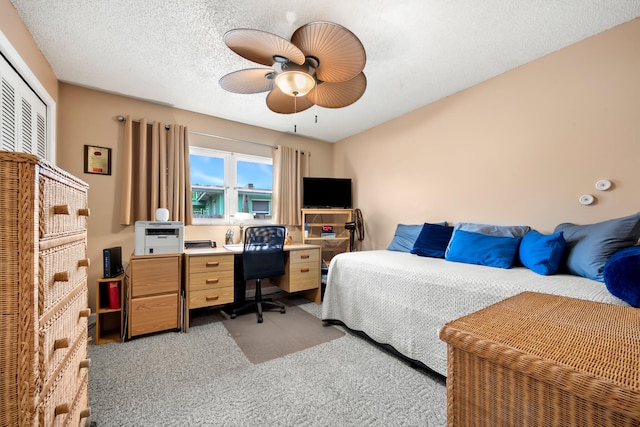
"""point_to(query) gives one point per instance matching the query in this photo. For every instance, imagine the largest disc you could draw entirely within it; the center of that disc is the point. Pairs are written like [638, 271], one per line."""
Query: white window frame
[16, 61]
[230, 185]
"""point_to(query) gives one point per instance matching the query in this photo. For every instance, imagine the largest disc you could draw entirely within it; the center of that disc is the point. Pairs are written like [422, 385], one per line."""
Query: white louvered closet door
[23, 118]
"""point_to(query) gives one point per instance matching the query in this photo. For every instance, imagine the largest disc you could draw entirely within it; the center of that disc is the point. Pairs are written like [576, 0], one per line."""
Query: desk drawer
[210, 297]
[210, 280]
[202, 264]
[311, 256]
[303, 277]
[153, 314]
[299, 277]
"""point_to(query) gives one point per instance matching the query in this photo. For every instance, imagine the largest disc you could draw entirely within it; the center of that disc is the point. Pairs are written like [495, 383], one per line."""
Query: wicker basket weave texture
[28, 191]
[545, 360]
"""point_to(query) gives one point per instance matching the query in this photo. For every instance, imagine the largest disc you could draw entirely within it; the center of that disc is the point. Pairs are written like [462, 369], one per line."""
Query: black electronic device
[326, 193]
[112, 262]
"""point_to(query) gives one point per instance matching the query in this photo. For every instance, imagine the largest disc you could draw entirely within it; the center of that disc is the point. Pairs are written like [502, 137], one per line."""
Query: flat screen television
[326, 192]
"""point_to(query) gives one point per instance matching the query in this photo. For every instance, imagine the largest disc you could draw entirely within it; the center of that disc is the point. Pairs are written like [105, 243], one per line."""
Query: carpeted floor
[203, 378]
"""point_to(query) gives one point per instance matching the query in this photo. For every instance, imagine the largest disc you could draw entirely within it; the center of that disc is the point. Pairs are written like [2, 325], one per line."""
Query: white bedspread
[403, 300]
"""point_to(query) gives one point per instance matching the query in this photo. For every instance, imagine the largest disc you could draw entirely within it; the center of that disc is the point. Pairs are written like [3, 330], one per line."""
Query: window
[223, 184]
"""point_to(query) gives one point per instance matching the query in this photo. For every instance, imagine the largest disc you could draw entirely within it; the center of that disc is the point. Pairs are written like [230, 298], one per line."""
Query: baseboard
[268, 290]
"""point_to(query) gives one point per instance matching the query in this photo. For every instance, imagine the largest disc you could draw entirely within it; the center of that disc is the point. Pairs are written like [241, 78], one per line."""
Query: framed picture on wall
[97, 160]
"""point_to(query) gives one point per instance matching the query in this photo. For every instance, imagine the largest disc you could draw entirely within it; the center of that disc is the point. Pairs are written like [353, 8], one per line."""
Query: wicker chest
[43, 294]
[542, 360]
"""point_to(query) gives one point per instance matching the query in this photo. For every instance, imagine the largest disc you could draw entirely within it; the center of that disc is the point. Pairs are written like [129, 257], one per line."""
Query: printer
[159, 237]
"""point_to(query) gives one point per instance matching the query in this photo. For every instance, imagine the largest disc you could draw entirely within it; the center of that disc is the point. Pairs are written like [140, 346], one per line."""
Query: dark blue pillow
[542, 253]
[405, 237]
[433, 240]
[482, 249]
[590, 246]
[622, 275]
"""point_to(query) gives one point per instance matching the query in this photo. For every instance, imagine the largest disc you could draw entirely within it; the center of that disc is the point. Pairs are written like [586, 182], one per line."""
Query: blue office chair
[262, 257]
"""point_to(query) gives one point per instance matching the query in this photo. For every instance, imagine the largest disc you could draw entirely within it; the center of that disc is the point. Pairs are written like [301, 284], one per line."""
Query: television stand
[333, 243]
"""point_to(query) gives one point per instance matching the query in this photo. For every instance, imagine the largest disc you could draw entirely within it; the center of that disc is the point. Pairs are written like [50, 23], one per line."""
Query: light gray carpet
[202, 378]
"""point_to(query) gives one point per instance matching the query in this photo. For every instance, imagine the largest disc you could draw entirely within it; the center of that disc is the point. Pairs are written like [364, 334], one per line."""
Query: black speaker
[112, 262]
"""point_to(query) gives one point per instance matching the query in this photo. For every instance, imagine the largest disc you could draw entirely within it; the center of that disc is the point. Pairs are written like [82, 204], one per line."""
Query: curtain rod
[122, 119]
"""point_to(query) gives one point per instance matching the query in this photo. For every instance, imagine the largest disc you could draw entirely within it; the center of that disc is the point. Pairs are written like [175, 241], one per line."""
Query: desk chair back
[263, 254]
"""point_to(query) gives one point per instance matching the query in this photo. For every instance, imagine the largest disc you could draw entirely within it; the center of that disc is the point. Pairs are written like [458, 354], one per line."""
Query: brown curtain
[289, 166]
[155, 172]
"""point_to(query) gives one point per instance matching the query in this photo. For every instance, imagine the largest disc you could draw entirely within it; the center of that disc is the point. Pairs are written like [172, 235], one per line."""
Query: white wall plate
[586, 199]
[603, 185]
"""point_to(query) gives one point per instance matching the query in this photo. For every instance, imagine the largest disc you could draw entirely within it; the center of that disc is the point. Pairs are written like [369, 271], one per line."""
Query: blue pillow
[432, 241]
[590, 246]
[482, 249]
[405, 237]
[491, 229]
[622, 275]
[542, 253]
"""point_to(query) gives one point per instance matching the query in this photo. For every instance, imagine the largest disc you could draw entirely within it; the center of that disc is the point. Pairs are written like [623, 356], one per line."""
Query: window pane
[207, 186]
[254, 188]
[255, 175]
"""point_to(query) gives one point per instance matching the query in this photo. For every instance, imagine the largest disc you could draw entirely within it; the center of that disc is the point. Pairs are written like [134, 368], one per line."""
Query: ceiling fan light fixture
[295, 83]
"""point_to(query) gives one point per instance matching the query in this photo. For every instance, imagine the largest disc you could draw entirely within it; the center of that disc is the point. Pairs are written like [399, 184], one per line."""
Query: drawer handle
[305, 270]
[305, 256]
[62, 409]
[84, 212]
[212, 281]
[213, 263]
[61, 210]
[85, 363]
[84, 262]
[61, 343]
[85, 413]
[62, 276]
[85, 312]
[213, 298]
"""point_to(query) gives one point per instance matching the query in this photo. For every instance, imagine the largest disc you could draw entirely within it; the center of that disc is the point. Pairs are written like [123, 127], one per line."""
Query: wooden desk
[209, 278]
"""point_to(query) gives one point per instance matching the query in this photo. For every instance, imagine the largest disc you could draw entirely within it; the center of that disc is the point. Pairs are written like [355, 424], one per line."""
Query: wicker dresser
[43, 294]
[543, 360]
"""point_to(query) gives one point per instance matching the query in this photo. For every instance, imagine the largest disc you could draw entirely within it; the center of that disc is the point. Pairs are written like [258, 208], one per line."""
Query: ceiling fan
[321, 65]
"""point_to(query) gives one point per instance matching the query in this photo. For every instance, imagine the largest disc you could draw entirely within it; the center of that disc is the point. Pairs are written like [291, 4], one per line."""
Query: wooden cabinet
[209, 281]
[154, 293]
[109, 309]
[43, 294]
[326, 227]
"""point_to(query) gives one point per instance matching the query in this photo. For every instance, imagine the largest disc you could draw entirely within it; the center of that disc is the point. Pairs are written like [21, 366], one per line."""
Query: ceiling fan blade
[261, 47]
[279, 102]
[337, 95]
[340, 54]
[251, 80]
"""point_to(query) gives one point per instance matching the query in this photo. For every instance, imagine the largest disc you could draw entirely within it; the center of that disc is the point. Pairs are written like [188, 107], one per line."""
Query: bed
[402, 300]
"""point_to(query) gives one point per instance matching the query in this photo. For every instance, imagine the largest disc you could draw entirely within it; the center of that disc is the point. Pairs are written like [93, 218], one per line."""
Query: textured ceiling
[418, 51]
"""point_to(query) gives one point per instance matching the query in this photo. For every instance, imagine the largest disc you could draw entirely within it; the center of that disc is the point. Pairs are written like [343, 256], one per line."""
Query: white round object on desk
[162, 214]
[586, 199]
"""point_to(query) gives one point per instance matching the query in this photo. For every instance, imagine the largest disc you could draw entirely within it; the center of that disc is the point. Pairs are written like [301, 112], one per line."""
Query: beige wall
[88, 116]
[518, 149]
[20, 38]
